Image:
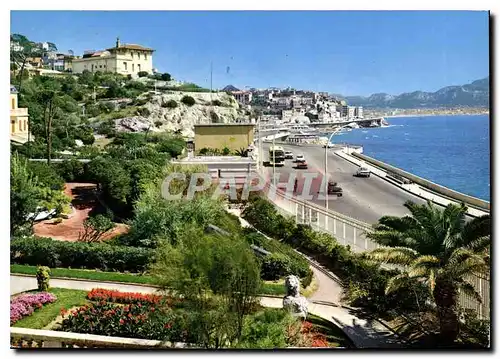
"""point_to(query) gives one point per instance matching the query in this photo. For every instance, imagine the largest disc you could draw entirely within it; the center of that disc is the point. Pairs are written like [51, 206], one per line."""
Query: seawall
[447, 192]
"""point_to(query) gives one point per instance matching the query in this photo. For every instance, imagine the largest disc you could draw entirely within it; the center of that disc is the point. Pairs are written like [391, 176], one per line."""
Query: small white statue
[293, 301]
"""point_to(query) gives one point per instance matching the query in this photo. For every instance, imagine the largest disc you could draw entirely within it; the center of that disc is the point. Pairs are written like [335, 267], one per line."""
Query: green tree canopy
[441, 248]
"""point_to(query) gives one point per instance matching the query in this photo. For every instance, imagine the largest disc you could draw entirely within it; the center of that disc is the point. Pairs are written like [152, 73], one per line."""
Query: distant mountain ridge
[475, 94]
[230, 88]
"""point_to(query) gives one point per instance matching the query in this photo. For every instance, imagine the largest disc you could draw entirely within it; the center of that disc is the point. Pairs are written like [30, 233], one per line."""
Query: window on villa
[138, 67]
[125, 66]
[25, 125]
[132, 54]
[100, 66]
[145, 56]
[133, 68]
[13, 103]
[20, 126]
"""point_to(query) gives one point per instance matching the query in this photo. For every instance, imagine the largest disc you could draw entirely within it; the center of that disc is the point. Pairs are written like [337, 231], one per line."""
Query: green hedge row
[282, 262]
[358, 274]
[54, 254]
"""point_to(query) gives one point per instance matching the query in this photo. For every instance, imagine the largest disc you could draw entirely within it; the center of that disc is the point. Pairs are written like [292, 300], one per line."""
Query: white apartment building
[351, 111]
[359, 112]
[243, 97]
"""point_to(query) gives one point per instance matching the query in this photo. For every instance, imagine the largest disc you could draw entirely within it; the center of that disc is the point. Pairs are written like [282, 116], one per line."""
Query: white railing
[36, 338]
[351, 232]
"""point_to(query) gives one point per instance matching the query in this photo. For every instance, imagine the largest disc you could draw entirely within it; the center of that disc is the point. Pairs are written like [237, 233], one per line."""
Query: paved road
[365, 199]
[20, 283]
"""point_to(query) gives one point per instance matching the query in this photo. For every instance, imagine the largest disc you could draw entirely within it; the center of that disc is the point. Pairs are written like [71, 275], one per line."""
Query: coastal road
[365, 199]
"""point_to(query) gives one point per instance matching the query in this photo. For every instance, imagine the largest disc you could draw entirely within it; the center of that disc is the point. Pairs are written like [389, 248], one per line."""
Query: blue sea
[453, 151]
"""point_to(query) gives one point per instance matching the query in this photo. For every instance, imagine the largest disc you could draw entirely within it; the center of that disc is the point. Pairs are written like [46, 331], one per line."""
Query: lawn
[66, 298]
[86, 274]
[267, 288]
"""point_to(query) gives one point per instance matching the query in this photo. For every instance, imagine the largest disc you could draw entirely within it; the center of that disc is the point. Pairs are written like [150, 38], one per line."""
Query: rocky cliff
[167, 112]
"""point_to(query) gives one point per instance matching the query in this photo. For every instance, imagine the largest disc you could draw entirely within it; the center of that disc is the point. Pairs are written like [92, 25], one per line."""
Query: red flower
[63, 311]
[167, 325]
[122, 321]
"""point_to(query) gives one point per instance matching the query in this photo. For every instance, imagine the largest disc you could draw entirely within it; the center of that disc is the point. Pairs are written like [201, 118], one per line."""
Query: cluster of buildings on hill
[317, 106]
[125, 59]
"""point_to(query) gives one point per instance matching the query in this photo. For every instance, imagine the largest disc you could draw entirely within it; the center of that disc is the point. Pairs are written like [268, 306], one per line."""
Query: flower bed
[115, 296]
[25, 304]
[313, 337]
[136, 320]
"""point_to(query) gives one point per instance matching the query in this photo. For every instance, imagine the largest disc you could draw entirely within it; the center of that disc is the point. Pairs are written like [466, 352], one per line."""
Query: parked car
[300, 158]
[288, 155]
[363, 172]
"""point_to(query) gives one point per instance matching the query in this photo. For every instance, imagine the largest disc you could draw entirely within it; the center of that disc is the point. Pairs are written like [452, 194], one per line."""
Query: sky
[341, 52]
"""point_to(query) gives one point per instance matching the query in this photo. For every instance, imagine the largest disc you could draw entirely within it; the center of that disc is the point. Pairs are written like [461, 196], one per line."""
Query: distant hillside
[229, 88]
[475, 94]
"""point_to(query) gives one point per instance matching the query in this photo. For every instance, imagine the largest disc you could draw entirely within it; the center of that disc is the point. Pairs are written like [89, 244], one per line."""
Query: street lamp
[326, 167]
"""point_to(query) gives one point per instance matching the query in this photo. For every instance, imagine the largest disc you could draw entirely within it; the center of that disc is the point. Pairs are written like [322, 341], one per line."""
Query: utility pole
[259, 165]
[274, 163]
[326, 169]
[211, 97]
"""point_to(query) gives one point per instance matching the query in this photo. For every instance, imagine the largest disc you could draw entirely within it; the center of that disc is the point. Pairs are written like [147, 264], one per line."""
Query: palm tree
[439, 247]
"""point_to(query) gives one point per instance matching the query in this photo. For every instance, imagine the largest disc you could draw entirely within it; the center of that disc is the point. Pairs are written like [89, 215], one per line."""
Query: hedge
[282, 262]
[102, 256]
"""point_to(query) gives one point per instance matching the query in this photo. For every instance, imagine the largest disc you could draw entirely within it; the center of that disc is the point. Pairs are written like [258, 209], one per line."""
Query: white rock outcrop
[216, 107]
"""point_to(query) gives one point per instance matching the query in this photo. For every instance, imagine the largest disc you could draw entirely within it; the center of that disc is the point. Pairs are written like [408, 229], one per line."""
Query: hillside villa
[125, 59]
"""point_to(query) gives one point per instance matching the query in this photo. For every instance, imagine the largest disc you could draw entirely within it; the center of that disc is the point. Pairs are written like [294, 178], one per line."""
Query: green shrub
[169, 104]
[296, 263]
[142, 74]
[166, 76]
[51, 253]
[275, 266]
[107, 128]
[266, 329]
[46, 175]
[42, 278]
[188, 100]
[143, 111]
[226, 151]
[71, 170]
[216, 103]
[140, 101]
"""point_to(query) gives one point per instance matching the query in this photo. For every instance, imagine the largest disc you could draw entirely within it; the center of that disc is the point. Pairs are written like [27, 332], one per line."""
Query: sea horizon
[452, 154]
